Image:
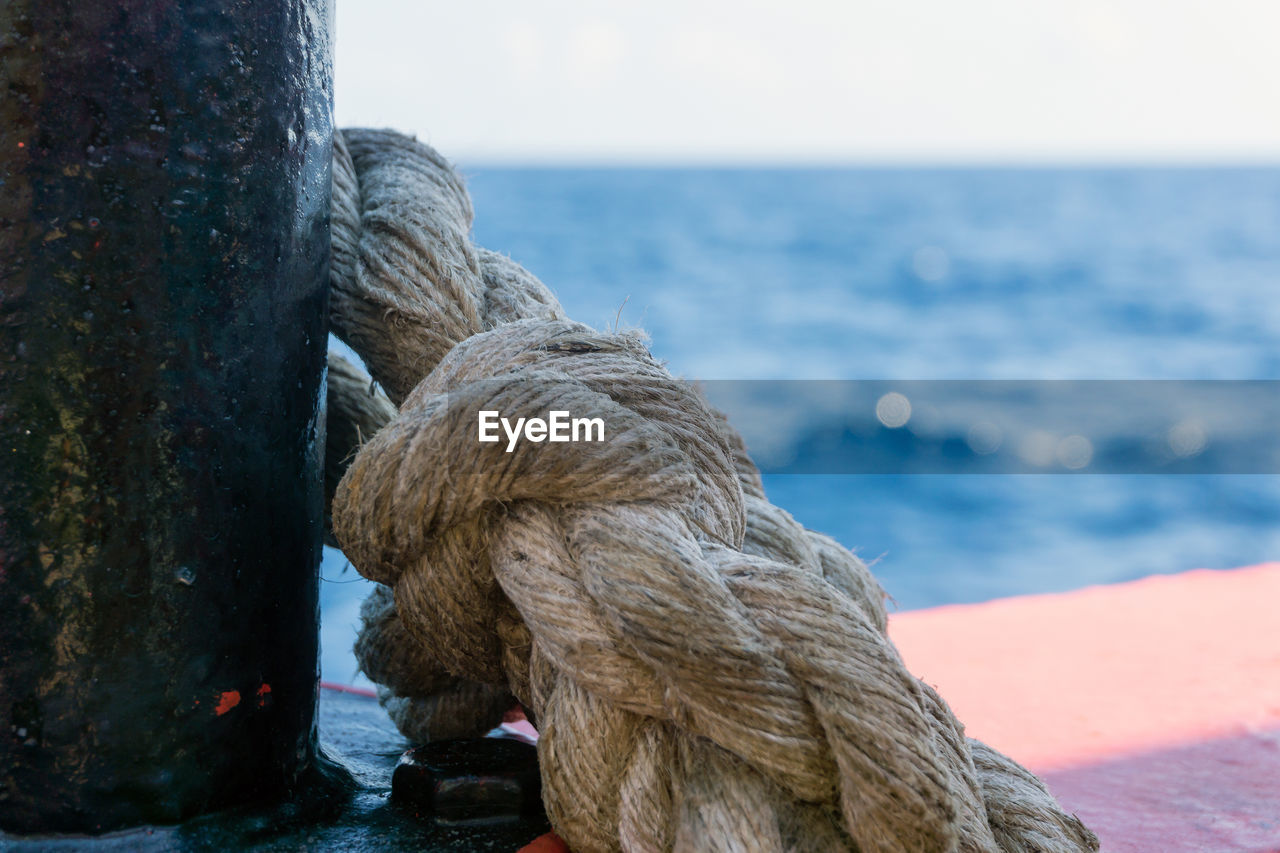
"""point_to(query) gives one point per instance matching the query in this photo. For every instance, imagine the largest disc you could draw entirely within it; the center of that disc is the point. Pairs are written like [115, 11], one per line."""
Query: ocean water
[933, 274]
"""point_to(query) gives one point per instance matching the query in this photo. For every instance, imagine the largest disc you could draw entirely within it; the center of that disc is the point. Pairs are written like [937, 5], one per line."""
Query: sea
[1004, 302]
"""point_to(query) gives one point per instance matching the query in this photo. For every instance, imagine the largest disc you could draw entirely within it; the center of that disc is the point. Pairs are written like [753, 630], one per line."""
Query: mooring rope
[705, 673]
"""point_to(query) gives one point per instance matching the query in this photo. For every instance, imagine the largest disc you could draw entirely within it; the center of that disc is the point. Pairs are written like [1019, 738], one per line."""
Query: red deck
[1151, 709]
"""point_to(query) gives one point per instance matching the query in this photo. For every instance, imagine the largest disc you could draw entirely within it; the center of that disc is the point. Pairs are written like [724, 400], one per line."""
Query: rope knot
[706, 673]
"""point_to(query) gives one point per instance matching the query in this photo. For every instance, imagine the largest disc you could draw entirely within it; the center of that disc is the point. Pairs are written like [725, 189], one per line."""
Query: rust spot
[226, 701]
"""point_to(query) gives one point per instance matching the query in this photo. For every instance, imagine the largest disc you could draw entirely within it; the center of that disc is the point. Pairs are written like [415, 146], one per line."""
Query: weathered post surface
[163, 262]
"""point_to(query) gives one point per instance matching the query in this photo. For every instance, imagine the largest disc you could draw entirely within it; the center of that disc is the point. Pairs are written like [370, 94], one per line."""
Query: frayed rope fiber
[705, 673]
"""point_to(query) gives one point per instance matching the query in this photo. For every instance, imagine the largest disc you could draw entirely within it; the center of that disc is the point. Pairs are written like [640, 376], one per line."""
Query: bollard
[163, 268]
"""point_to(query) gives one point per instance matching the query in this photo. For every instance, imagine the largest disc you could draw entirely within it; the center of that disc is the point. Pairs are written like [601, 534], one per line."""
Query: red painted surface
[346, 688]
[1216, 795]
[549, 843]
[1152, 708]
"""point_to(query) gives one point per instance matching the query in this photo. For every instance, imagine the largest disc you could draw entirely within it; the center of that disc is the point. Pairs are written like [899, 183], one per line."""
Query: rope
[705, 673]
[425, 701]
[355, 410]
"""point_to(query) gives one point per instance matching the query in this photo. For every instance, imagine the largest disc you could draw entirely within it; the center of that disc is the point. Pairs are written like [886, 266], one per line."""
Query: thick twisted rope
[706, 673]
[423, 699]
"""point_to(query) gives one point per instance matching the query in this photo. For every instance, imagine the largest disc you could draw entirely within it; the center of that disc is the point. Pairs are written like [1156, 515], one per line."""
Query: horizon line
[868, 163]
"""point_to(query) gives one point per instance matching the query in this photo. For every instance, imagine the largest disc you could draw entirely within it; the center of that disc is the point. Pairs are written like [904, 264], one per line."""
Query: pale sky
[936, 81]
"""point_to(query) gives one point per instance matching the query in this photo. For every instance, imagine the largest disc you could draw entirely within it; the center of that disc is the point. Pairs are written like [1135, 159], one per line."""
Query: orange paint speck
[264, 692]
[549, 843]
[228, 700]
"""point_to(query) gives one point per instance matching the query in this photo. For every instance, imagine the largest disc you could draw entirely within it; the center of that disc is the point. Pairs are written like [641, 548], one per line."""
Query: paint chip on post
[227, 700]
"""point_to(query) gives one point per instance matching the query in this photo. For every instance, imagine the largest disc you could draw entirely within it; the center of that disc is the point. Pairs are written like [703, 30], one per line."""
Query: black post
[163, 261]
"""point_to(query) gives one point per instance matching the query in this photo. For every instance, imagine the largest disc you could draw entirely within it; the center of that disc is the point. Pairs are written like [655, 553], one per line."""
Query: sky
[810, 81]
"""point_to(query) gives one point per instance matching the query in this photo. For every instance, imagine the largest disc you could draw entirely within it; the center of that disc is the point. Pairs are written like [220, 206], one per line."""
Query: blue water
[931, 274]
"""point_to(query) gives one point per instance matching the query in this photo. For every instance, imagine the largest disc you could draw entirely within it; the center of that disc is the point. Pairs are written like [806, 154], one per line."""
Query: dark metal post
[163, 262]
